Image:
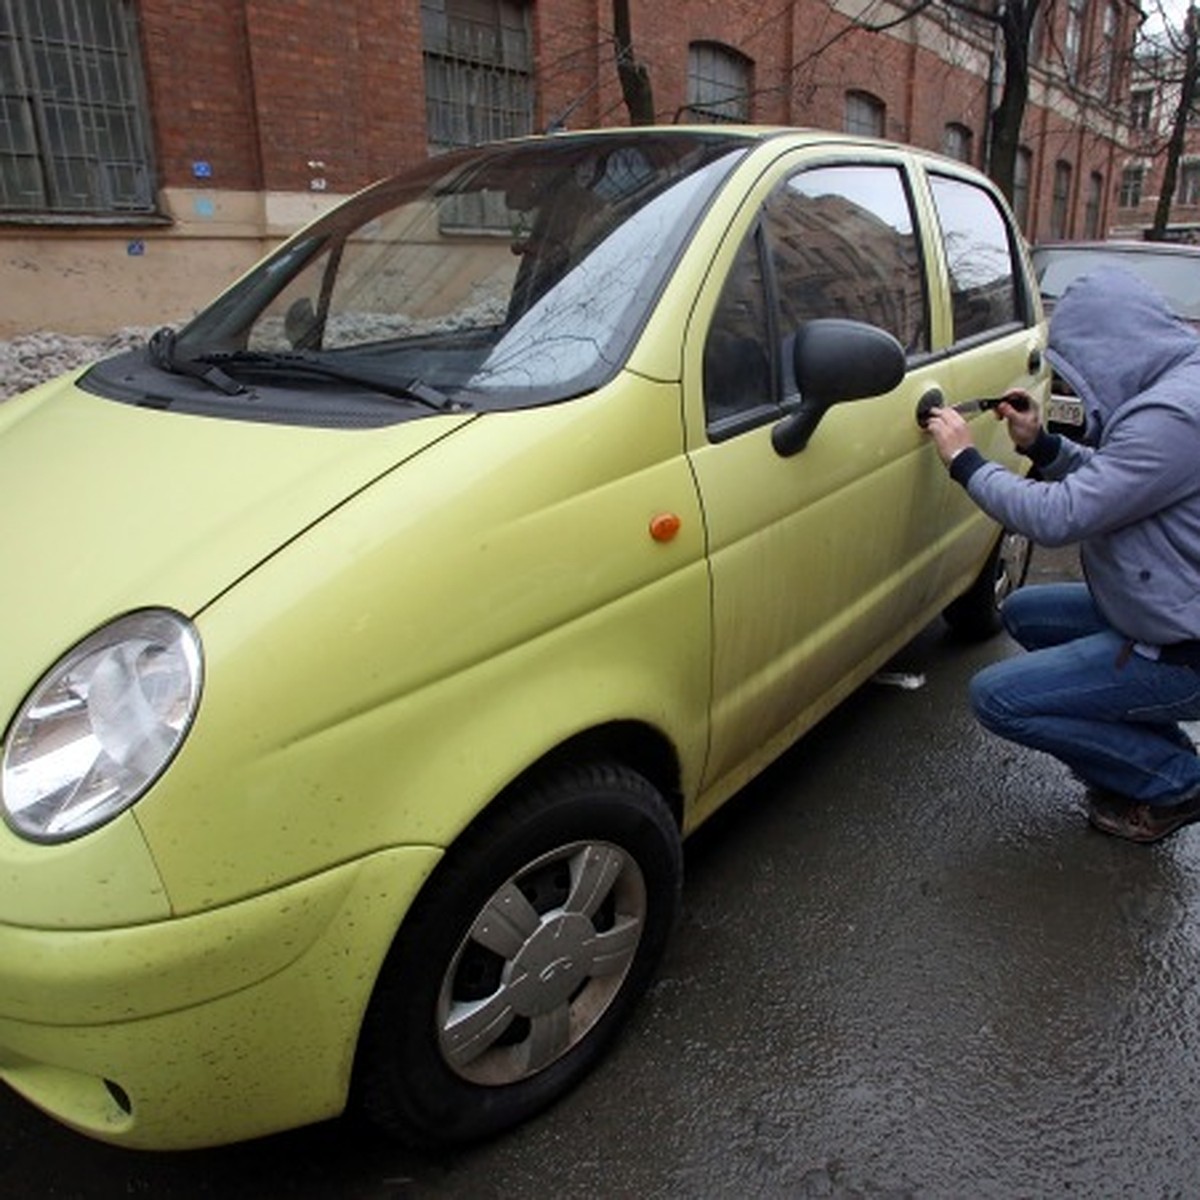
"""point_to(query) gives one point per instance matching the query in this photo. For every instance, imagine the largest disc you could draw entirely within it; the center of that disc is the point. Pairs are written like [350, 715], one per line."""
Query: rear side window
[984, 291]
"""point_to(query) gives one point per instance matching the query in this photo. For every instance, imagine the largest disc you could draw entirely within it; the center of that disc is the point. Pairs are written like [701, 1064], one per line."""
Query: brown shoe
[1143, 823]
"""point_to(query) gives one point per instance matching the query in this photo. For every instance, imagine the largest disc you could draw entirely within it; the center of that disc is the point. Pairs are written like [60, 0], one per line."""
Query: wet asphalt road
[906, 968]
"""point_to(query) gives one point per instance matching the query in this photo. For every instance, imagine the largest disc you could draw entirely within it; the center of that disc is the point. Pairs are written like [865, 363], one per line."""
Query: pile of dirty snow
[32, 358]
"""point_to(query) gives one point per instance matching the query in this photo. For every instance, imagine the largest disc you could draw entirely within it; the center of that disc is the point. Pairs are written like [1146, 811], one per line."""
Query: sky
[1156, 10]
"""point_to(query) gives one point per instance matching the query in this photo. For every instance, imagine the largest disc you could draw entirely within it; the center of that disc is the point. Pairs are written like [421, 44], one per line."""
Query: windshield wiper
[314, 364]
[162, 351]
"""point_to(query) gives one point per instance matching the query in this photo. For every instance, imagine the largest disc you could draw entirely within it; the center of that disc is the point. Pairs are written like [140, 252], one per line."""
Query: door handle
[931, 400]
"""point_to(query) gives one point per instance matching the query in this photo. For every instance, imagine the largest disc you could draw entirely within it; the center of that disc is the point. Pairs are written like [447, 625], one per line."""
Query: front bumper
[212, 1028]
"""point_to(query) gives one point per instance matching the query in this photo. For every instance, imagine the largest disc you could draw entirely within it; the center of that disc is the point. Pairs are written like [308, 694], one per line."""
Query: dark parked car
[1170, 268]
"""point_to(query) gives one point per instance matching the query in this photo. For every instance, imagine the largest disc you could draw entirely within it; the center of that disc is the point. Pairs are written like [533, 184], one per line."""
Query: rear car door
[994, 341]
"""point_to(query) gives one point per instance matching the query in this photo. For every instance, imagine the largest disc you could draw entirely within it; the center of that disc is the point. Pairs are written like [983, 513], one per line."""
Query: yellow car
[370, 643]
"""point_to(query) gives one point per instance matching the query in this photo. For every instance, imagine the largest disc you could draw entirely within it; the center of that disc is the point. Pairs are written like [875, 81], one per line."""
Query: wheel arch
[606, 754]
[633, 744]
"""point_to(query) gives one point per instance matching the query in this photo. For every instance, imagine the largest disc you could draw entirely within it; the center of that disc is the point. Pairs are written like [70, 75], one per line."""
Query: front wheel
[523, 957]
[975, 615]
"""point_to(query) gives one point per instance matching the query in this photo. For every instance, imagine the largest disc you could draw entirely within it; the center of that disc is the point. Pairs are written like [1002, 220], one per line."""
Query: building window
[1061, 199]
[864, 114]
[478, 71]
[1106, 57]
[1037, 36]
[1132, 179]
[1091, 213]
[73, 129]
[1141, 108]
[956, 142]
[1188, 191]
[719, 83]
[1022, 169]
[1073, 42]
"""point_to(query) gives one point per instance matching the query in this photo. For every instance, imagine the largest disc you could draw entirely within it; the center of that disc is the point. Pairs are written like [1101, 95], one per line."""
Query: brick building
[1154, 101]
[150, 150]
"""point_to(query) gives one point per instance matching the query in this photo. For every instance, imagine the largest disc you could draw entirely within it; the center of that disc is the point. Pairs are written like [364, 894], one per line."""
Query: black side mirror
[836, 360]
[300, 324]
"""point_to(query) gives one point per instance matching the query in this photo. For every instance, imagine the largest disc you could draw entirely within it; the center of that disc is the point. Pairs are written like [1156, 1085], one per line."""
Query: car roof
[812, 135]
[1184, 249]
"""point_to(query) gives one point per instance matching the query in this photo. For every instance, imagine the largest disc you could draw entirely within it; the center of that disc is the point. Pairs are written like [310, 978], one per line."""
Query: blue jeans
[1082, 696]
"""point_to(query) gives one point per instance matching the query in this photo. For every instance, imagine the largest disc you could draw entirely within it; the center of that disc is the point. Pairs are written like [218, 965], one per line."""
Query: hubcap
[1012, 564]
[543, 960]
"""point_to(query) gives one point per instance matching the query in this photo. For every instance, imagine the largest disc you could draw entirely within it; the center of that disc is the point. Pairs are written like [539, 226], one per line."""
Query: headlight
[100, 726]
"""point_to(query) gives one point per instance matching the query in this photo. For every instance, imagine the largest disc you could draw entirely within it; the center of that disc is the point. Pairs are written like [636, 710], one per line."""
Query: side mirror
[836, 360]
[300, 324]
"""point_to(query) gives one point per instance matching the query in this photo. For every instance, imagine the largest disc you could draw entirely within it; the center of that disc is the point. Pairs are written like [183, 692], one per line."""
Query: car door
[995, 341]
[821, 563]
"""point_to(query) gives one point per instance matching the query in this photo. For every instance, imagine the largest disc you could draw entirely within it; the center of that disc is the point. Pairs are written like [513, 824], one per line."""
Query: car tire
[522, 958]
[975, 615]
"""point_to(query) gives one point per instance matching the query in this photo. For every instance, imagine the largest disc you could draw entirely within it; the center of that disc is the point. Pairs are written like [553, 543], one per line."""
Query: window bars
[73, 134]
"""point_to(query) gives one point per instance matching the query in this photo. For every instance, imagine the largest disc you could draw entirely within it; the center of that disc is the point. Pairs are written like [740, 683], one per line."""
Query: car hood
[107, 507]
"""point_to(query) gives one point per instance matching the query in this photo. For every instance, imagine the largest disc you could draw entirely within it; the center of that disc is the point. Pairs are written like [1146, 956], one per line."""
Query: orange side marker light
[664, 526]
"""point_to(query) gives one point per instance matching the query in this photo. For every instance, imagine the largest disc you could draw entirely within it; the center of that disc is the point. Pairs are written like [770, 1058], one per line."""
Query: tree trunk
[635, 78]
[1016, 21]
[1179, 128]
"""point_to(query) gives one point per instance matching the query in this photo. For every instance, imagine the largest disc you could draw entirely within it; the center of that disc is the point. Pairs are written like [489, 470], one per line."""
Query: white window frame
[1141, 108]
[1188, 189]
[1133, 180]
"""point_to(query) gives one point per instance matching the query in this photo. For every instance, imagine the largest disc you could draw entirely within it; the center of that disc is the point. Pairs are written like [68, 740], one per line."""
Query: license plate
[1064, 410]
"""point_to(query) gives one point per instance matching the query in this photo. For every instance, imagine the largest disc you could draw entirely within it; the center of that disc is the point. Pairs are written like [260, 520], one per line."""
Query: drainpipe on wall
[995, 68]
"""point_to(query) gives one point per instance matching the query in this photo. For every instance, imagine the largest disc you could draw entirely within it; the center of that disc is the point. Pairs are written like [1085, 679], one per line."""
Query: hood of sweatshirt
[1112, 337]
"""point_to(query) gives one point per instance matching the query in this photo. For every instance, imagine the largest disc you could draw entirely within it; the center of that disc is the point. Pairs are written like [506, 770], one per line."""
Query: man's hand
[950, 432]
[1023, 427]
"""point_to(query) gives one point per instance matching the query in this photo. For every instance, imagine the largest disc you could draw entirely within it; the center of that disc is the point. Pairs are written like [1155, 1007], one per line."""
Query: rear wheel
[976, 613]
[525, 955]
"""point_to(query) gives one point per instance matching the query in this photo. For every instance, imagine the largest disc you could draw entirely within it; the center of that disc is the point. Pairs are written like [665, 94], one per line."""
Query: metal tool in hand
[934, 399]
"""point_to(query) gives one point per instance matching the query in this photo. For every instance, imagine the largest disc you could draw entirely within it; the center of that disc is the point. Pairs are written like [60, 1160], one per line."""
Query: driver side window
[835, 241]
[843, 244]
[740, 369]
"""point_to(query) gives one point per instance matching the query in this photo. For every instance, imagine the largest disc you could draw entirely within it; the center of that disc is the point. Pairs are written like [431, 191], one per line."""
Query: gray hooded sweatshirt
[1131, 495]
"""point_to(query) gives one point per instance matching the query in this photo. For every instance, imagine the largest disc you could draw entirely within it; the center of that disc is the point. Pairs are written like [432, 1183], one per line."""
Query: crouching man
[1114, 664]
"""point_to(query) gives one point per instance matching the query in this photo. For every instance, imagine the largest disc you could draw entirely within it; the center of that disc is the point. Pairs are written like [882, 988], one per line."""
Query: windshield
[1176, 277]
[501, 277]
